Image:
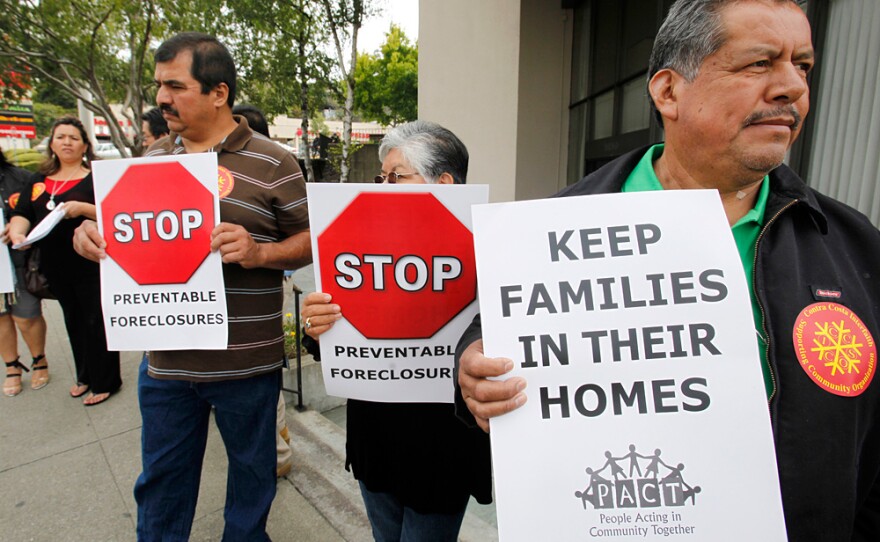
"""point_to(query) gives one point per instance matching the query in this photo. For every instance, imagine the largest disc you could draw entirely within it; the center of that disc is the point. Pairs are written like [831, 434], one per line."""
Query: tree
[13, 85]
[387, 83]
[282, 66]
[96, 53]
[45, 115]
[50, 94]
[344, 19]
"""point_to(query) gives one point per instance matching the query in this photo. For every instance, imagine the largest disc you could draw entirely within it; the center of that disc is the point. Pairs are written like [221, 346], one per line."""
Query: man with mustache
[728, 81]
[264, 229]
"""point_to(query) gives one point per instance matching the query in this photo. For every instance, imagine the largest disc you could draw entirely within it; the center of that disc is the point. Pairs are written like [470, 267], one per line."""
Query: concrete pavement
[67, 472]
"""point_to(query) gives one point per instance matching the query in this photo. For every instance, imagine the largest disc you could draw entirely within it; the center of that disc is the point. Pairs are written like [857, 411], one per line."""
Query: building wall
[507, 103]
[845, 157]
[544, 82]
[498, 73]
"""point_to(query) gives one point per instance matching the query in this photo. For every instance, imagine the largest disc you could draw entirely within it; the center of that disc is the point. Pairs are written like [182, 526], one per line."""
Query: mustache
[165, 108]
[777, 112]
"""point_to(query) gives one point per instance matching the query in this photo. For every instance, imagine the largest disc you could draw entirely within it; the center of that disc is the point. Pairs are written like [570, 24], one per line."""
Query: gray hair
[431, 150]
[691, 32]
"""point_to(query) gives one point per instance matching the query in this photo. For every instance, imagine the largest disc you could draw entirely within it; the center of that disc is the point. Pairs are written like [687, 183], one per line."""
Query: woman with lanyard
[65, 177]
[20, 308]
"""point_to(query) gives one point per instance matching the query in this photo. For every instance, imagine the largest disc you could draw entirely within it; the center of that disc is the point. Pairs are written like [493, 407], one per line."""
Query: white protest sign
[161, 285]
[399, 261]
[629, 317]
[7, 273]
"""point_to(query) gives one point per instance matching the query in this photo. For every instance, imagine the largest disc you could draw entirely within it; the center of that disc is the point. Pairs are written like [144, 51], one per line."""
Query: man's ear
[445, 178]
[664, 88]
[220, 93]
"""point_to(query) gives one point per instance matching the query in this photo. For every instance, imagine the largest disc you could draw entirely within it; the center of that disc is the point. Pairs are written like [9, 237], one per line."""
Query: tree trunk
[345, 165]
[355, 17]
[348, 112]
[306, 110]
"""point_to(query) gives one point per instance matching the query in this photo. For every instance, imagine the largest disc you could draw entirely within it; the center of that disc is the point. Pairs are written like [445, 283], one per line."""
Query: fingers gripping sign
[488, 398]
[236, 245]
[319, 314]
[87, 241]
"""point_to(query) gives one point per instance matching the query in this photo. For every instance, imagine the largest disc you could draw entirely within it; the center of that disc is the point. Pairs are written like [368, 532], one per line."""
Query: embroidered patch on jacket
[38, 189]
[835, 348]
[225, 182]
[13, 200]
[821, 293]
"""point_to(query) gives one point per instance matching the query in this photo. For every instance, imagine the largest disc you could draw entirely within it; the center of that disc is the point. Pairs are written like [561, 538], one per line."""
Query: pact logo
[649, 483]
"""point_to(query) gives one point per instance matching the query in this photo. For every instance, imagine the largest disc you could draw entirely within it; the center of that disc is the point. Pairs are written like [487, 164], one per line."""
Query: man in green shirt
[728, 81]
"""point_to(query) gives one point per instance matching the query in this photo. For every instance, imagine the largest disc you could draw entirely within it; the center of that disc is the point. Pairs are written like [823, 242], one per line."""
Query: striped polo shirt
[268, 198]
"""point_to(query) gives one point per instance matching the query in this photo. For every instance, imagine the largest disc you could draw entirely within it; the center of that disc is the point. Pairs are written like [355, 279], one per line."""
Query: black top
[58, 259]
[13, 182]
[419, 452]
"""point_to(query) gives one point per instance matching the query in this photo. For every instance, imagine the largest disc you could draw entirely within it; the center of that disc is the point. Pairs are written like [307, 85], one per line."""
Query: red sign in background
[416, 246]
[157, 222]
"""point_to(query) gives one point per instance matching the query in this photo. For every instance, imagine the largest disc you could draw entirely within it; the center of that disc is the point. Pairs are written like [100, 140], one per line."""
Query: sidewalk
[67, 471]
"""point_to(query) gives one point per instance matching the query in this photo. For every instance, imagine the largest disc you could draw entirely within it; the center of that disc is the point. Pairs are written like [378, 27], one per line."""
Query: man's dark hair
[156, 122]
[254, 116]
[429, 148]
[211, 62]
[691, 31]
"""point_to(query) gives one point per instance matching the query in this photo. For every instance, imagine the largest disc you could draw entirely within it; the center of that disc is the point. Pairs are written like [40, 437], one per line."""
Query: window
[609, 113]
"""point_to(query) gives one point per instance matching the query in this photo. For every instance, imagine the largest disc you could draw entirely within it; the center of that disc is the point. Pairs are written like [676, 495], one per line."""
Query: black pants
[80, 299]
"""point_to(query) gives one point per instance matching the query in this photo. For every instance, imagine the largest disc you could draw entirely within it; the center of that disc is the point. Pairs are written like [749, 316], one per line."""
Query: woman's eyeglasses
[392, 177]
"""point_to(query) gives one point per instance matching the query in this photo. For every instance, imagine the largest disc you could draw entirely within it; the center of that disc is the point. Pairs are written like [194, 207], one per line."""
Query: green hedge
[28, 159]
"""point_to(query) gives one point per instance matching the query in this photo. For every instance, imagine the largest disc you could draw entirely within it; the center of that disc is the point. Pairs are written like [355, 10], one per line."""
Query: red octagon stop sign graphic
[157, 222]
[401, 266]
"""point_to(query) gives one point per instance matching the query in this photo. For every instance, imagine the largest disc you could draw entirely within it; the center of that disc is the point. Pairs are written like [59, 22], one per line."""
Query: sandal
[99, 398]
[78, 390]
[39, 382]
[11, 390]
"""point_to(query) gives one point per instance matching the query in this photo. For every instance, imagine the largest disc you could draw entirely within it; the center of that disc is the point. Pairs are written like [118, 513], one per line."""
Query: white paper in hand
[44, 227]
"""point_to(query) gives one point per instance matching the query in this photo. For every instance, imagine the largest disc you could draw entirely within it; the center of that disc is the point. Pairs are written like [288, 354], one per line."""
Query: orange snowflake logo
[835, 348]
[38, 189]
[225, 182]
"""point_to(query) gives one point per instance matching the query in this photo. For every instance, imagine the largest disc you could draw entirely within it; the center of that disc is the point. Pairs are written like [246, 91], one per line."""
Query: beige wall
[495, 73]
[544, 83]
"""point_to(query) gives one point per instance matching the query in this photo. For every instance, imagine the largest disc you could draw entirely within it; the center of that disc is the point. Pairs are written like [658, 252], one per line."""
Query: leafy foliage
[94, 52]
[344, 19]
[101, 52]
[28, 159]
[46, 113]
[387, 83]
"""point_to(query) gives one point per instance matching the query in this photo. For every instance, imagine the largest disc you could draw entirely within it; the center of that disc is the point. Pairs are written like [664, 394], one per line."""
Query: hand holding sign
[319, 314]
[236, 245]
[488, 398]
[88, 242]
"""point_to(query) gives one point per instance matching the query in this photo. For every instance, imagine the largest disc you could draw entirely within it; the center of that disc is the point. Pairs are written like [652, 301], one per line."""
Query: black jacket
[827, 446]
